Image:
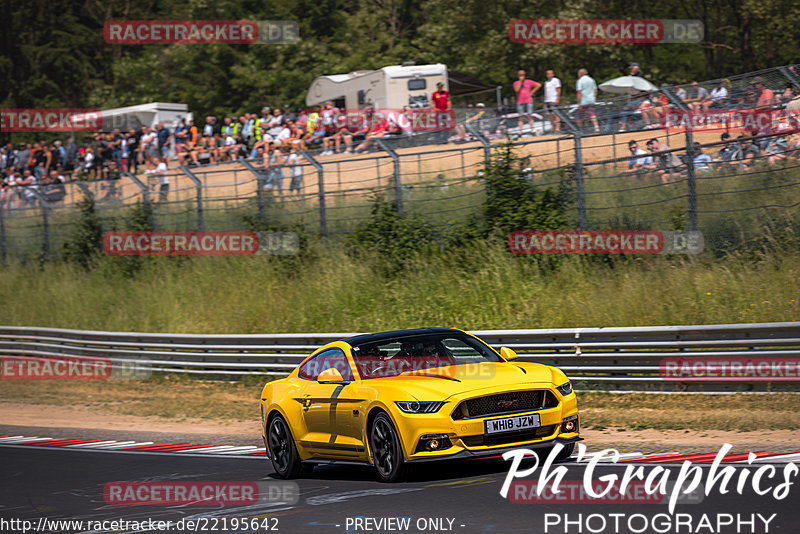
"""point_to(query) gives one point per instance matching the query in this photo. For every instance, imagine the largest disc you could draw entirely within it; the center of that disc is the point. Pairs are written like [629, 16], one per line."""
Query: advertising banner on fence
[604, 242]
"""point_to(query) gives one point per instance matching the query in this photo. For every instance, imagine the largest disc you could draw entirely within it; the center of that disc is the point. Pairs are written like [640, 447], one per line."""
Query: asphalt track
[68, 483]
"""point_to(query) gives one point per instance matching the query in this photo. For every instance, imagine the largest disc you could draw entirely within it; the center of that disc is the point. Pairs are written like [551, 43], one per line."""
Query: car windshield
[395, 356]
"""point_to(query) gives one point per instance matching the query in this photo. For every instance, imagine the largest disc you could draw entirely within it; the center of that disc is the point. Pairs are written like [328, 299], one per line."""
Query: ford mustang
[394, 399]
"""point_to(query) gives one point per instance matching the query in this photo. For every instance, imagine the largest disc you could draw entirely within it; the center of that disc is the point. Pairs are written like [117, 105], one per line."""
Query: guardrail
[604, 358]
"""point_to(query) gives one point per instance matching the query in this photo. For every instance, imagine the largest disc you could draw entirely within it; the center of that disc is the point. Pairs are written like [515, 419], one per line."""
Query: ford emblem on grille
[506, 403]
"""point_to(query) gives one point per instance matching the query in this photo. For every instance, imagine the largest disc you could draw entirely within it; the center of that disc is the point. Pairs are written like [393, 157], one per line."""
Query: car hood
[442, 383]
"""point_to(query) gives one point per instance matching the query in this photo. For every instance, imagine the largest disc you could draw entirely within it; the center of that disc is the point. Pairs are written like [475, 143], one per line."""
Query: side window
[417, 84]
[325, 360]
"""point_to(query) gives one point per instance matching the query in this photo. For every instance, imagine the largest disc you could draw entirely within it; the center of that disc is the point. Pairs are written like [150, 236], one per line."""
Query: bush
[86, 241]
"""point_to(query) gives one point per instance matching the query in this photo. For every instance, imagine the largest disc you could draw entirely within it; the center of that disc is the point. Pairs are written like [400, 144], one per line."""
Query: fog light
[433, 442]
[570, 424]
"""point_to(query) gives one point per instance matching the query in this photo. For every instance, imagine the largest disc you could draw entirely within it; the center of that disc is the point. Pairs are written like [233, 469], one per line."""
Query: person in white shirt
[717, 97]
[7, 189]
[295, 170]
[639, 158]
[163, 178]
[552, 98]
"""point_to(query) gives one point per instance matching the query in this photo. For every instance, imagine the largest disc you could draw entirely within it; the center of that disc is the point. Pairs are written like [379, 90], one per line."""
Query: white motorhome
[392, 87]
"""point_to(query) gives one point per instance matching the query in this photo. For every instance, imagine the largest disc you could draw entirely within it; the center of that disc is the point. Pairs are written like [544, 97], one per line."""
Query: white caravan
[392, 87]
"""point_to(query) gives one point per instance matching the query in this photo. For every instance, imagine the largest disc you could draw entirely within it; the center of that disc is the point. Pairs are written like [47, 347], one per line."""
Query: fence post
[691, 178]
[45, 222]
[198, 185]
[580, 188]
[2, 235]
[260, 183]
[323, 220]
[145, 197]
[398, 186]
[487, 146]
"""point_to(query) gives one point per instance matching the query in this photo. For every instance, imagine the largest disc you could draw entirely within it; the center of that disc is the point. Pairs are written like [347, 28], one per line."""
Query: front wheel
[283, 453]
[387, 454]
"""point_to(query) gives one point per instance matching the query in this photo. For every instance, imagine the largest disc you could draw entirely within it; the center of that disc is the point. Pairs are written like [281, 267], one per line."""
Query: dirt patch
[93, 423]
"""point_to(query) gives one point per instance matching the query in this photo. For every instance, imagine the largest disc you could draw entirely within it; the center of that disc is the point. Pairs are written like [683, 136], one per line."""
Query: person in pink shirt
[765, 96]
[525, 90]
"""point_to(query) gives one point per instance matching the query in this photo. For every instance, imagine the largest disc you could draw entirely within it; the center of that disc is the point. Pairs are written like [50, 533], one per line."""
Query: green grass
[327, 290]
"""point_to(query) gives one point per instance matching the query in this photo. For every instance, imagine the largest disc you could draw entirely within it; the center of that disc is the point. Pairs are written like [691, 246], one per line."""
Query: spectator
[71, 155]
[634, 70]
[378, 130]
[28, 186]
[329, 116]
[728, 150]
[8, 189]
[525, 89]
[111, 184]
[89, 163]
[288, 115]
[276, 123]
[442, 106]
[115, 144]
[59, 155]
[227, 127]
[295, 170]
[718, 96]
[272, 164]
[587, 96]
[149, 146]
[262, 123]
[161, 172]
[552, 98]
[184, 152]
[701, 161]
[664, 165]
[132, 142]
[164, 138]
[697, 94]
[315, 131]
[359, 135]
[748, 152]
[765, 96]
[208, 127]
[461, 130]
[23, 155]
[679, 91]
[639, 159]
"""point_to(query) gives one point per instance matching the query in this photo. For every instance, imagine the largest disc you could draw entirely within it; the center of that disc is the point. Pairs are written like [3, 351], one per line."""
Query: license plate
[510, 424]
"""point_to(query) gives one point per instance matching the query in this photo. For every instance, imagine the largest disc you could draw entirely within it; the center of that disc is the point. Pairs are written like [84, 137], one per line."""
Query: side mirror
[330, 376]
[508, 354]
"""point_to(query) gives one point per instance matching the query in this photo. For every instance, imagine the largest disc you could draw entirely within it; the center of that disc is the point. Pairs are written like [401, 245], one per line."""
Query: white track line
[27, 440]
[125, 445]
[96, 444]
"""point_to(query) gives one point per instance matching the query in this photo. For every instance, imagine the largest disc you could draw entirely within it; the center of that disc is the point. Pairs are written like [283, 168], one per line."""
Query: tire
[283, 452]
[387, 454]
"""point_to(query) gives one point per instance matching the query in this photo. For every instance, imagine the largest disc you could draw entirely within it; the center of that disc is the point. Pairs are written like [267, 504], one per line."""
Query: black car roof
[380, 336]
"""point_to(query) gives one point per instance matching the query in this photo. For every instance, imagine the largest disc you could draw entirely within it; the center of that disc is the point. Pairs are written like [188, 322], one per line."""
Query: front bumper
[468, 438]
[487, 453]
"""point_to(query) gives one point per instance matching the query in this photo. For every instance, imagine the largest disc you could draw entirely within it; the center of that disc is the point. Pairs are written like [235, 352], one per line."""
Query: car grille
[508, 437]
[504, 403]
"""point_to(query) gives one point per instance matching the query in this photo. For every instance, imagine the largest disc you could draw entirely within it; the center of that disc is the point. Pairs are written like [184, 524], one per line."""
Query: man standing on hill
[525, 89]
[442, 107]
[552, 98]
[587, 96]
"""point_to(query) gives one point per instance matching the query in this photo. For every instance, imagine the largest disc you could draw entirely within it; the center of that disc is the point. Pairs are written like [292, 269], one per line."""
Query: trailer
[392, 87]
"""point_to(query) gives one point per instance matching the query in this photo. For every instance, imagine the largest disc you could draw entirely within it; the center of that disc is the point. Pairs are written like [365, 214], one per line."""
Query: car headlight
[565, 389]
[419, 407]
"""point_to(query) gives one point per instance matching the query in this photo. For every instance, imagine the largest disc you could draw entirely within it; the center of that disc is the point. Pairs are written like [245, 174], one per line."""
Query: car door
[330, 410]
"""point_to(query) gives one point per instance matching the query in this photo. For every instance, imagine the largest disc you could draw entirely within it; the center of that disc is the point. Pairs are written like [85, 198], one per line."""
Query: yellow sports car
[397, 398]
